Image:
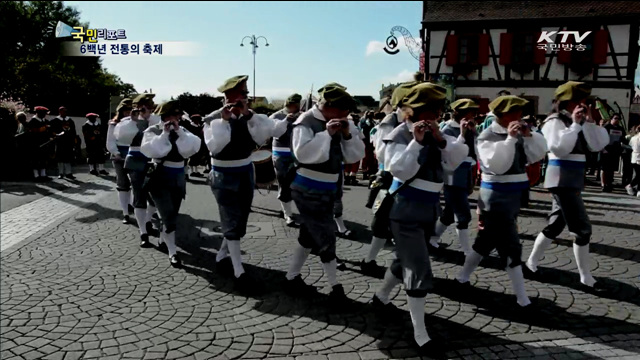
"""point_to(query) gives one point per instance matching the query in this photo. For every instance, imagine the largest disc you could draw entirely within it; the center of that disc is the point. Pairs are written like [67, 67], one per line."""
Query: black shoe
[386, 311]
[60, 176]
[155, 217]
[104, 172]
[225, 267]
[38, 179]
[345, 235]
[151, 230]
[94, 172]
[298, 288]
[144, 241]
[539, 275]
[162, 247]
[432, 349]
[281, 214]
[248, 285]
[70, 176]
[46, 178]
[175, 261]
[370, 267]
[196, 174]
[340, 265]
[337, 298]
[598, 288]
[130, 209]
[126, 220]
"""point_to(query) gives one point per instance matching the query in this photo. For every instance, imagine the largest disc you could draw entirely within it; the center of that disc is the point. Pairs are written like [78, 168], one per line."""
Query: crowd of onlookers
[33, 142]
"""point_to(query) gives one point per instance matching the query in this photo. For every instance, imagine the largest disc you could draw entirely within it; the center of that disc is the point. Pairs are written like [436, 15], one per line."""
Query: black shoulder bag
[384, 201]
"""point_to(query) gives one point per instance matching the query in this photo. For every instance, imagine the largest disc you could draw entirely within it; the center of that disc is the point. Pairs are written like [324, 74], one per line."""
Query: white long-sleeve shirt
[156, 146]
[497, 156]
[310, 148]
[404, 158]
[217, 132]
[112, 145]
[379, 144]
[562, 139]
[635, 148]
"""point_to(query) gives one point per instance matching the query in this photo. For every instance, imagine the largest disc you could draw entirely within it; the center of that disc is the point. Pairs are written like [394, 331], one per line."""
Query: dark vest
[334, 164]
[566, 173]
[174, 154]
[469, 139]
[135, 159]
[283, 141]
[430, 158]
[519, 159]
[241, 145]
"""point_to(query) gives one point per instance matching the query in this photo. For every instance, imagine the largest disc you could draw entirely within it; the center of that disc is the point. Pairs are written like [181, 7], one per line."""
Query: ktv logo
[546, 36]
[545, 42]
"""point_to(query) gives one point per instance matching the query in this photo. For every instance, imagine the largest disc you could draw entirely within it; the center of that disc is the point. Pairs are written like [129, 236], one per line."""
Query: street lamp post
[254, 45]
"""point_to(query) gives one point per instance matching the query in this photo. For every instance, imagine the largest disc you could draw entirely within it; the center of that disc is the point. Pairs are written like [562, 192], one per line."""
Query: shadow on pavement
[546, 315]
[393, 338]
[620, 291]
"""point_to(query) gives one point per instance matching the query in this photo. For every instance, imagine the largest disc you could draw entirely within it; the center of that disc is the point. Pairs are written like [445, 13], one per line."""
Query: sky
[310, 43]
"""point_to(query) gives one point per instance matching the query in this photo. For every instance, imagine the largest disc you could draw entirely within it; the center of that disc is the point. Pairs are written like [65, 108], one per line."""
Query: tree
[33, 70]
[202, 104]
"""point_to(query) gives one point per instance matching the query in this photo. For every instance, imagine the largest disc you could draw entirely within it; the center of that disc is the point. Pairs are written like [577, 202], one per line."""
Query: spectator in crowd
[369, 163]
[95, 139]
[627, 169]
[64, 129]
[40, 146]
[201, 158]
[610, 156]
[634, 143]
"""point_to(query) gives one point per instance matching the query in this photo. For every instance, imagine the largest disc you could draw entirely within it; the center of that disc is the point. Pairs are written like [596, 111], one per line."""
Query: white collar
[92, 124]
[37, 118]
[398, 111]
[497, 128]
[317, 113]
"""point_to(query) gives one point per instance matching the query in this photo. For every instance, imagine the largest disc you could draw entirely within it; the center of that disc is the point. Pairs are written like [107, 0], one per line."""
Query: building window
[523, 47]
[468, 49]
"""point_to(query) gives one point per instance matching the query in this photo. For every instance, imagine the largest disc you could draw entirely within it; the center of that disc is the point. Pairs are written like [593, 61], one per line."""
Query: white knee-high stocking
[539, 247]
[416, 309]
[124, 197]
[582, 258]
[298, 258]
[471, 262]
[376, 245]
[171, 243]
[390, 281]
[331, 270]
[141, 218]
[517, 280]
[463, 237]
[224, 250]
[236, 257]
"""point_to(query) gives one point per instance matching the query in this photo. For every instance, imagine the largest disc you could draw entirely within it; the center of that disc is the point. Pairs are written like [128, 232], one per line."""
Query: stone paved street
[76, 285]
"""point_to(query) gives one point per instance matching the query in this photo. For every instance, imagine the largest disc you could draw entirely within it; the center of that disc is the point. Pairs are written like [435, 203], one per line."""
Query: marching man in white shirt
[168, 145]
[282, 159]
[458, 182]
[322, 139]
[383, 180]
[231, 134]
[416, 153]
[504, 149]
[570, 133]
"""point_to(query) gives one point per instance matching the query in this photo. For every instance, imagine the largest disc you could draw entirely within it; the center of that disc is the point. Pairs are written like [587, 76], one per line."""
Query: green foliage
[202, 104]
[33, 70]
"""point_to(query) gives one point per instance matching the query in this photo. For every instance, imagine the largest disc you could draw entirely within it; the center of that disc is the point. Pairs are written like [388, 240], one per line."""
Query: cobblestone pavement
[75, 285]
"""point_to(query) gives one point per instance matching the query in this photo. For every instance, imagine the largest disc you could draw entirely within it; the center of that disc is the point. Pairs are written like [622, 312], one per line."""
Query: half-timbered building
[491, 46]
